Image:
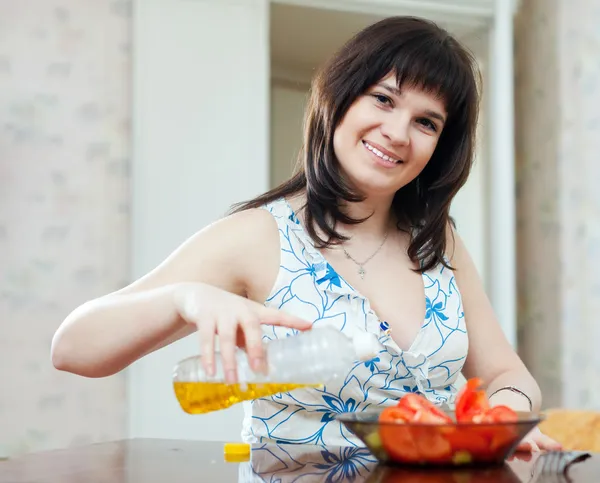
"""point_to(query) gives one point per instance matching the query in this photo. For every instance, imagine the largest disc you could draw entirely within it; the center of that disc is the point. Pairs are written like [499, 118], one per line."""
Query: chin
[374, 184]
[373, 188]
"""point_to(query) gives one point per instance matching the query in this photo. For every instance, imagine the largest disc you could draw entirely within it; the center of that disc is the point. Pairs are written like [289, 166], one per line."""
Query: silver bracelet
[516, 390]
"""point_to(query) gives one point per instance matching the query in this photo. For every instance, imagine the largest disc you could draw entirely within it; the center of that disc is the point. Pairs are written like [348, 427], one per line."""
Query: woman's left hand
[537, 441]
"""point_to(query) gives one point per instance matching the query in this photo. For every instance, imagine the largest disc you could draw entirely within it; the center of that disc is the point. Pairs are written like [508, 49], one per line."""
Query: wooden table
[166, 461]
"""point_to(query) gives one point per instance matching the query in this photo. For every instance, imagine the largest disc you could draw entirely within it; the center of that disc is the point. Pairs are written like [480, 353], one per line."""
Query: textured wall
[579, 170]
[558, 141]
[64, 221]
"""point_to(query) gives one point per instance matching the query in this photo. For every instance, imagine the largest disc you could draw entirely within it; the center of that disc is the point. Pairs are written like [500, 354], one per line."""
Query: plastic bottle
[309, 359]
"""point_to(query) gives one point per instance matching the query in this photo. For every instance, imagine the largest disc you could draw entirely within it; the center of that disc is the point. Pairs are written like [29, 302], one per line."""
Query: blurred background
[127, 125]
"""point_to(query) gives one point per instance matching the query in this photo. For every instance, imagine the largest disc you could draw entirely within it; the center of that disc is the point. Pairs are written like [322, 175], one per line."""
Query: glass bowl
[448, 444]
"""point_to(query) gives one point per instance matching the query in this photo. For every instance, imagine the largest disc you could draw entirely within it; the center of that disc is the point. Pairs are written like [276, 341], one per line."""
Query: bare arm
[105, 335]
[491, 356]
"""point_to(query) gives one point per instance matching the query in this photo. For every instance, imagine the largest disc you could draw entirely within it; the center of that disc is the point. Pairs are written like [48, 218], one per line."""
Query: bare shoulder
[223, 254]
[261, 259]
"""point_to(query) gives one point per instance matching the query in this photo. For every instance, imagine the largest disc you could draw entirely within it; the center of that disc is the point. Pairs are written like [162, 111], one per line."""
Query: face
[388, 136]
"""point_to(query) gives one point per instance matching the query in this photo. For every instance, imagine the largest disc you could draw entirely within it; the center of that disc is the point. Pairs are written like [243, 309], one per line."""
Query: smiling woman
[359, 239]
[413, 90]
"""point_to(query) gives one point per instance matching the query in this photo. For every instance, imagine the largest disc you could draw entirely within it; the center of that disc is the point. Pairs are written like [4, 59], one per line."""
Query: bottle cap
[366, 345]
[236, 448]
[236, 452]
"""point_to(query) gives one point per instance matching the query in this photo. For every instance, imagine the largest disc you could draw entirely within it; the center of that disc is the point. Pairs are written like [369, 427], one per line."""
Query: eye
[381, 99]
[428, 124]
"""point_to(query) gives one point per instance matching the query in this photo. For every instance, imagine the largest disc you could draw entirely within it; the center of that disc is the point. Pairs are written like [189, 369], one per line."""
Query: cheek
[342, 139]
[355, 123]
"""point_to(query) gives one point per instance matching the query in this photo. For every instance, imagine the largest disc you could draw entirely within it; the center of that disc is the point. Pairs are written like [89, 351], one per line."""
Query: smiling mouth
[383, 156]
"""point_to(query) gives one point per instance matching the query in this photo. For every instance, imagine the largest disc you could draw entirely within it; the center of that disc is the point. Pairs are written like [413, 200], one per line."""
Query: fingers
[528, 445]
[250, 326]
[198, 304]
[270, 316]
[227, 347]
[537, 441]
[206, 330]
[524, 456]
[546, 443]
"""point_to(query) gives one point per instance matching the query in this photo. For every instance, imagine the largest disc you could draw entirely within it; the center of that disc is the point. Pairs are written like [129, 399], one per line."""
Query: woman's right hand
[236, 320]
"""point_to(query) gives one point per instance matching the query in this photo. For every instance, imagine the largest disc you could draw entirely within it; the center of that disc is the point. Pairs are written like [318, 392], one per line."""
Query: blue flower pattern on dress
[309, 287]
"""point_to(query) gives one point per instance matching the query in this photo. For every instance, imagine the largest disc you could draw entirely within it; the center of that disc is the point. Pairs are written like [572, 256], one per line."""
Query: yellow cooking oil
[204, 397]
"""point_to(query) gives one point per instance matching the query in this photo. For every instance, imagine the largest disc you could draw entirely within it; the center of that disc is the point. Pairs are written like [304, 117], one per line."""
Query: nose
[396, 130]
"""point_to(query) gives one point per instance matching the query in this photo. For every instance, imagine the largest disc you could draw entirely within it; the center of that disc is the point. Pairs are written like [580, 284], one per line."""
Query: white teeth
[380, 154]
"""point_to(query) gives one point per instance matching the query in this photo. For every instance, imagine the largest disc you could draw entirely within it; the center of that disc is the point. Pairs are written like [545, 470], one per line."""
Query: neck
[374, 228]
[376, 225]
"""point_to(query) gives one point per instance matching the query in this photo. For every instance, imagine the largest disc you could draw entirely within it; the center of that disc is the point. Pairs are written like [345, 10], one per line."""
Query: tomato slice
[470, 440]
[396, 438]
[413, 401]
[399, 444]
[427, 417]
[424, 410]
[471, 401]
[500, 414]
[396, 414]
[432, 445]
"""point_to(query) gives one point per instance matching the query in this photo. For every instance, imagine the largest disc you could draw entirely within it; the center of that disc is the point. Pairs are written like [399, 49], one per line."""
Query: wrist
[187, 299]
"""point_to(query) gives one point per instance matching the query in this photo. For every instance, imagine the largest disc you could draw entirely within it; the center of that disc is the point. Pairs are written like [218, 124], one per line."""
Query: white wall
[200, 143]
[287, 110]
[469, 211]
[64, 217]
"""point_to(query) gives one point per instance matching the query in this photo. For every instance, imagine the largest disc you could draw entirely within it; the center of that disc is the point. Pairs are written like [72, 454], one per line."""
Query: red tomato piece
[397, 439]
[500, 414]
[432, 445]
[469, 440]
[471, 401]
[425, 410]
[496, 436]
[396, 414]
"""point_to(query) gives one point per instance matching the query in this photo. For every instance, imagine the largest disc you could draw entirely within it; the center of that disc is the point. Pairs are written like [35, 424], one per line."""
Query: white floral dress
[309, 287]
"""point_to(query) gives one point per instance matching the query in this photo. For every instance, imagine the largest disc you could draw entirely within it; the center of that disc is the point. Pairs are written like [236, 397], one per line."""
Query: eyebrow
[397, 92]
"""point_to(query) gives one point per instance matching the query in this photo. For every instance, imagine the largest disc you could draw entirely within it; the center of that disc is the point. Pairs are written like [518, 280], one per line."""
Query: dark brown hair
[423, 56]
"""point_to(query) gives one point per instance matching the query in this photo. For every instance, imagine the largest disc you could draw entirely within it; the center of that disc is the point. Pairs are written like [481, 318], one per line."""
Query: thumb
[547, 443]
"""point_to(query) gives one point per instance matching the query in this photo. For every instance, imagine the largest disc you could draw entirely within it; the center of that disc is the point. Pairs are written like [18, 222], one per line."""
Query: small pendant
[361, 272]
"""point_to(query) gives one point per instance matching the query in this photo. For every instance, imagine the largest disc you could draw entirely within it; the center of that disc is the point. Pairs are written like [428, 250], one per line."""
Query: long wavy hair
[423, 56]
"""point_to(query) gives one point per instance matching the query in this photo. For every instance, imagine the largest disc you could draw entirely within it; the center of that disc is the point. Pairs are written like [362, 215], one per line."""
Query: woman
[360, 238]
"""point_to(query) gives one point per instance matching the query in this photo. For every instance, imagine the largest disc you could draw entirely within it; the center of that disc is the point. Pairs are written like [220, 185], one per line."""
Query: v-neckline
[306, 239]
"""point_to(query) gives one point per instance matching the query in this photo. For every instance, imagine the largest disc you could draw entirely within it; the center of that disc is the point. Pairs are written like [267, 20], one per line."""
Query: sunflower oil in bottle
[307, 360]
